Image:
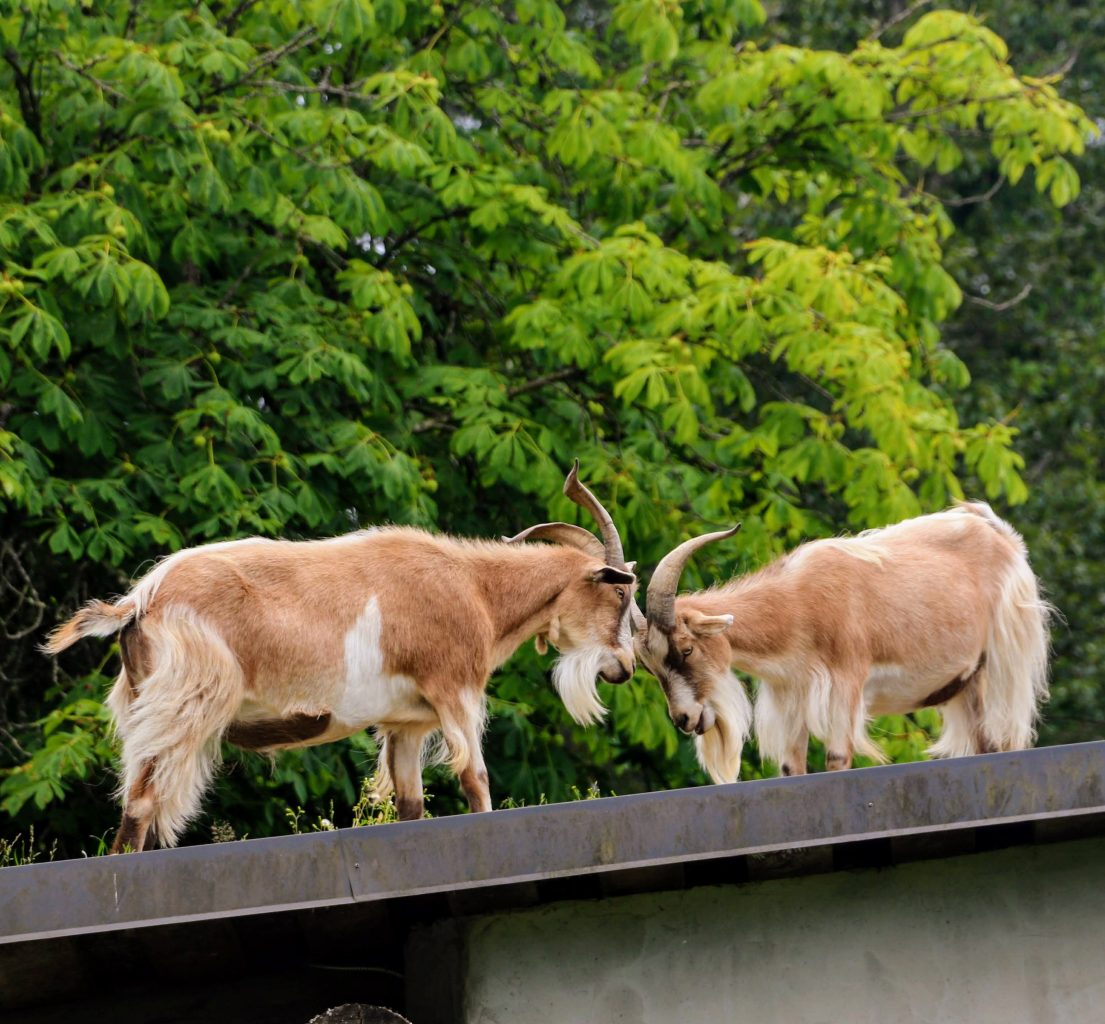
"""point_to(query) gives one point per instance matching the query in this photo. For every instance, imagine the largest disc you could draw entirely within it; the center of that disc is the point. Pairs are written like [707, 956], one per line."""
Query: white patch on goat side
[574, 675]
[370, 695]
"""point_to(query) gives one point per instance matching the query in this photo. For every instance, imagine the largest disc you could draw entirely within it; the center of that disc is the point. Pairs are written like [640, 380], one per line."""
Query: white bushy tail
[1016, 660]
[176, 720]
[1011, 682]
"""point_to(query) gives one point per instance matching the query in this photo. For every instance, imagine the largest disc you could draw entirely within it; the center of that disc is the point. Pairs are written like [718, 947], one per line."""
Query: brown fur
[921, 599]
[278, 618]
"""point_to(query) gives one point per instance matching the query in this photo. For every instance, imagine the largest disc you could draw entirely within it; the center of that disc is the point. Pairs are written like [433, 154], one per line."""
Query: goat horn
[665, 580]
[562, 533]
[612, 543]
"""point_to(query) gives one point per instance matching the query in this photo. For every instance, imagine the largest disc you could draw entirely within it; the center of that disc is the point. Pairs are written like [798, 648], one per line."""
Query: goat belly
[896, 690]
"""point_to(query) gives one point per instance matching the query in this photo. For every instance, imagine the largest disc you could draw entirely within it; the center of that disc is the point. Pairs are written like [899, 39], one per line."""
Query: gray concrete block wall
[1015, 935]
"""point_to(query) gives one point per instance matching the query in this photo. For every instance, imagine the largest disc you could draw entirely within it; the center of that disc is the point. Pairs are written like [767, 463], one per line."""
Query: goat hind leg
[136, 828]
[404, 764]
[173, 725]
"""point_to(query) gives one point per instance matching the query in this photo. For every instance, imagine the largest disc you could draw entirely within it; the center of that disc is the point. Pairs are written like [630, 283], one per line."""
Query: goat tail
[1017, 651]
[97, 618]
[174, 724]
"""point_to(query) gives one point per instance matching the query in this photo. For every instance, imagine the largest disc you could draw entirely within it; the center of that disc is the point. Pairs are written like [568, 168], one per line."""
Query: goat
[277, 644]
[941, 610]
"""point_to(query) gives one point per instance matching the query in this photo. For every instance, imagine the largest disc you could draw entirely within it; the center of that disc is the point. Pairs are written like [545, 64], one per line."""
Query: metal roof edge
[556, 841]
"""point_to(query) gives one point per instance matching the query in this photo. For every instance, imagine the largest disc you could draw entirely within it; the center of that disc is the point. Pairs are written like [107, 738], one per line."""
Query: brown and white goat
[278, 644]
[942, 610]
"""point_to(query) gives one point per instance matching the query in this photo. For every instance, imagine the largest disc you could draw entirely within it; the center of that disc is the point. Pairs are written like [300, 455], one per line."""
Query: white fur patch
[574, 677]
[370, 695]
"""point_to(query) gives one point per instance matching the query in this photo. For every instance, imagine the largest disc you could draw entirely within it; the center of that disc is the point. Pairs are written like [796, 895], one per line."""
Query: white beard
[574, 676]
[719, 749]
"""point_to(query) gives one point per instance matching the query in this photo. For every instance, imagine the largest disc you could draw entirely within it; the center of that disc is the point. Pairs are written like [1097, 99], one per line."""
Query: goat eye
[686, 652]
[620, 591]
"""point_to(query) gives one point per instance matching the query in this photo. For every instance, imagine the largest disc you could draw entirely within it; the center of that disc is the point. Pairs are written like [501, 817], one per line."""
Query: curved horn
[562, 533]
[612, 543]
[665, 579]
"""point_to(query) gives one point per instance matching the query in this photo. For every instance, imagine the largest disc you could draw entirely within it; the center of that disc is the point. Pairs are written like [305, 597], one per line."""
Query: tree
[287, 268]
[1031, 329]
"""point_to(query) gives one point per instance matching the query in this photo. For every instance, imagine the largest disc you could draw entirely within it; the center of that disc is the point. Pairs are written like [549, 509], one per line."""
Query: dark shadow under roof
[395, 874]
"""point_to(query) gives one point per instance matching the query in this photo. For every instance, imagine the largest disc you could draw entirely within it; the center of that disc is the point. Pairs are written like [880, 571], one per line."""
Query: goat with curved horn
[938, 611]
[574, 676]
[278, 644]
[615, 555]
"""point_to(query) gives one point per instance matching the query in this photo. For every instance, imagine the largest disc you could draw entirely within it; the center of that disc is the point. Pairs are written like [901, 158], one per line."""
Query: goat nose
[682, 721]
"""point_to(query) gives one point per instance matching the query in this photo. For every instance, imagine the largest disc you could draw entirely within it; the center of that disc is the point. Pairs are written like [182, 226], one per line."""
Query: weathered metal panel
[195, 883]
[527, 845]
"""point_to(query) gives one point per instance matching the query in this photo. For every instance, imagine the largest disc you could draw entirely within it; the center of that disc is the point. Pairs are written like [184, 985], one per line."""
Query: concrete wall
[1015, 935]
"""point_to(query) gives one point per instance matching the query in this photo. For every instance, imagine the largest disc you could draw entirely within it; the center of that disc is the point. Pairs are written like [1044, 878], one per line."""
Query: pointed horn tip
[571, 482]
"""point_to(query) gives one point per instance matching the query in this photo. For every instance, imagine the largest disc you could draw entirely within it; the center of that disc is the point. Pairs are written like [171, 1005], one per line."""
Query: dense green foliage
[283, 268]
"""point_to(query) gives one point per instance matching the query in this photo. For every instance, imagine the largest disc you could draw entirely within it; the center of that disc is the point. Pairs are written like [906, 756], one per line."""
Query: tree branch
[230, 22]
[556, 377]
[28, 101]
[100, 84]
[132, 18]
[982, 197]
[297, 42]
[895, 20]
[1000, 307]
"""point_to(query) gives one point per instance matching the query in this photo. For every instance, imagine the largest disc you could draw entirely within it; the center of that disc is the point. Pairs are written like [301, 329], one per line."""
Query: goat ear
[708, 625]
[541, 643]
[608, 574]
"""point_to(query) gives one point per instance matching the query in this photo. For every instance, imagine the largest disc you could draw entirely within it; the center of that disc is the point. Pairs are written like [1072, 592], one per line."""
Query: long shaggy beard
[574, 675]
[719, 749]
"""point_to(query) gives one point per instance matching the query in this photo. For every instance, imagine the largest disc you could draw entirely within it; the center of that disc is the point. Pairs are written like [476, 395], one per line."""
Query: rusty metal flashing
[479, 857]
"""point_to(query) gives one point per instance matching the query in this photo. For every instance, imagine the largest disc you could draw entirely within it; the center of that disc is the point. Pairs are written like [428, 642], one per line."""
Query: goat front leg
[795, 761]
[846, 720]
[474, 782]
[462, 720]
[781, 727]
